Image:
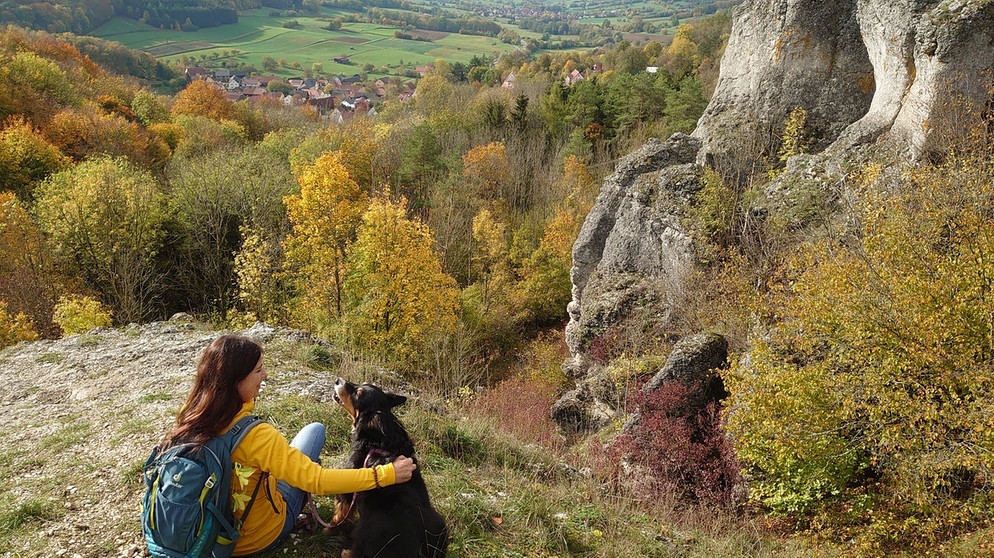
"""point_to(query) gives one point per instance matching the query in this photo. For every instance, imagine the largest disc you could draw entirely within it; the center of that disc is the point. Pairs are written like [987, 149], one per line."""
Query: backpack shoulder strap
[237, 432]
[230, 440]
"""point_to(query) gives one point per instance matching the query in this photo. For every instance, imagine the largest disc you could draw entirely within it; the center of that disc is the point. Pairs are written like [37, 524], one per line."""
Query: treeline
[66, 16]
[147, 205]
[121, 60]
[83, 16]
[182, 14]
[435, 22]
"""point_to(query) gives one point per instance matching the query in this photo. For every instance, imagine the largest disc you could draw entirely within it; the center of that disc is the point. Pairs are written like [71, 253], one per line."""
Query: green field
[257, 35]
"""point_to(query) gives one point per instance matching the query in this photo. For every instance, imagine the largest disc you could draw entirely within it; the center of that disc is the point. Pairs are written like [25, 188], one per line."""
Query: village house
[508, 81]
[195, 72]
[575, 76]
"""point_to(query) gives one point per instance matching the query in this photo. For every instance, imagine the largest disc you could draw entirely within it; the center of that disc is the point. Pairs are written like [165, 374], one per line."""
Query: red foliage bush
[605, 347]
[674, 450]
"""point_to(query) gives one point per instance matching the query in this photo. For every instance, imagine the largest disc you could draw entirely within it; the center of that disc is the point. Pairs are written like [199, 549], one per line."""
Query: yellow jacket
[265, 449]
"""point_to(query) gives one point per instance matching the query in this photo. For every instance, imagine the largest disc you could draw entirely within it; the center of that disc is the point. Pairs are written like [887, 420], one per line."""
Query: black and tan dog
[397, 521]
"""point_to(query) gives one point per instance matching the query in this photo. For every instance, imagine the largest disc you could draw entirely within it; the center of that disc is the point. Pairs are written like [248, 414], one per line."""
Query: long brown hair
[214, 401]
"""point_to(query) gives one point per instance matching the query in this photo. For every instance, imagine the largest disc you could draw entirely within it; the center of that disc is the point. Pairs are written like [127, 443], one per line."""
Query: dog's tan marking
[345, 400]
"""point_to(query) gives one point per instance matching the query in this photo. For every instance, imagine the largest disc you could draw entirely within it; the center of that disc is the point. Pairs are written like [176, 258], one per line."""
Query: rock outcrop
[889, 74]
[864, 70]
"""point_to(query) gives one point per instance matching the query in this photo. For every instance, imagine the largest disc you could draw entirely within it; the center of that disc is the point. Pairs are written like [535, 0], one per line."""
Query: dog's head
[364, 399]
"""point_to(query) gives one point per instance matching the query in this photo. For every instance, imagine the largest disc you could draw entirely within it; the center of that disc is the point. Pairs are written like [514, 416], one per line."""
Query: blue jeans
[309, 441]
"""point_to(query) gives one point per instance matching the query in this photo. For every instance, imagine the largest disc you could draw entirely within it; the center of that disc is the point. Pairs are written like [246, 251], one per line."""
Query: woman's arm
[274, 454]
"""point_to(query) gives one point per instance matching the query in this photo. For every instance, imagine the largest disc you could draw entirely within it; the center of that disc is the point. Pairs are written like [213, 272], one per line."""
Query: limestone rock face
[864, 70]
[784, 54]
[632, 245]
[869, 73]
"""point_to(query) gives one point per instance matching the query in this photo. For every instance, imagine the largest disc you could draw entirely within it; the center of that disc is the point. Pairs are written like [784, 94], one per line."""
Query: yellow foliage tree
[356, 142]
[14, 329]
[402, 304]
[494, 269]
[325, 216]
[26, 157]
[545, 287]
[682, 56]
[873, 389]
[79, 314]
[257, 265]
[105, 221]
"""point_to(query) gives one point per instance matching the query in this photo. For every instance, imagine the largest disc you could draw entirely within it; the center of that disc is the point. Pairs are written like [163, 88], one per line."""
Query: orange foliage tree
[488, 166]
[202, 99]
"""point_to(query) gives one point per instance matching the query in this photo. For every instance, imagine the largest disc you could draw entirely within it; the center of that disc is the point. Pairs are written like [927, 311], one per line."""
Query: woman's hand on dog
[403, 468]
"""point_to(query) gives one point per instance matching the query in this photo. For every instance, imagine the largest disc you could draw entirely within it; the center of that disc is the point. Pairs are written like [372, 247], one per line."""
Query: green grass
[257, 34]
[51, 358]
[65, 437]
[25, 512]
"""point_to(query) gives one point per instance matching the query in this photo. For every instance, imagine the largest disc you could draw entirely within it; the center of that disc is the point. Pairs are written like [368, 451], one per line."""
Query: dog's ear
[395, 400]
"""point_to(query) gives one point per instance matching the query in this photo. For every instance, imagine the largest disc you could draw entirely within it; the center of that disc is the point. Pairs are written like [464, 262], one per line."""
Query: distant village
[338, 98]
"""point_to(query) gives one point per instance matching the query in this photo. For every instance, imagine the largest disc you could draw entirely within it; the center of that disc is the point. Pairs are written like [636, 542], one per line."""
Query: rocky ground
[80, 416]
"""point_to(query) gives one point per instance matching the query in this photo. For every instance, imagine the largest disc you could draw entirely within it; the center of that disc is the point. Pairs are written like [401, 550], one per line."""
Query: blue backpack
[186, 511]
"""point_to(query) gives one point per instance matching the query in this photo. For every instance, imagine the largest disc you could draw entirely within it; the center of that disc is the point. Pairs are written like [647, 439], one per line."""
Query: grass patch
[51, 358]
[24, 513]
[65, 437]
[18, 462]
[257, 35]
[157, 397]
[87, 340]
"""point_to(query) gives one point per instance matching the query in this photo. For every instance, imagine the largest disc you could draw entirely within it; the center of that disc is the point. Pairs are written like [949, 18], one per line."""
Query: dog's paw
[346, 554]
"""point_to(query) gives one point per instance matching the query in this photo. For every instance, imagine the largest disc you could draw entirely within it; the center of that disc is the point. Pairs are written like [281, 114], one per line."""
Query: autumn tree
[88, 131]
[325, 215]
[199, 135]
[104, 219]
[79, 314]
[356, 144]
[28, 281]
[433, 95]
[492, 268]
[682, 56]
[33, 86]
[544, 287]
[203, 99]
[148, 108]
[15, 328]
[261, 286]
[401, 303]
[213, 196]
[26, 157]
[488, 167]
